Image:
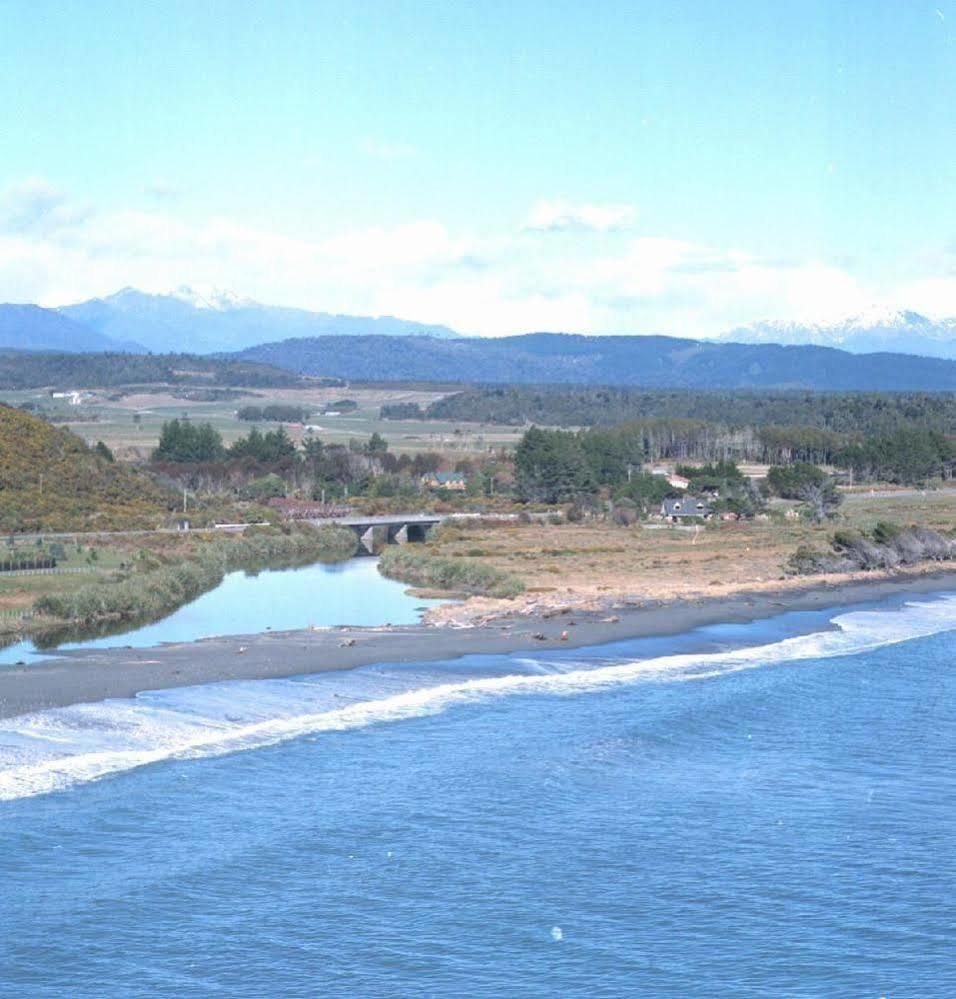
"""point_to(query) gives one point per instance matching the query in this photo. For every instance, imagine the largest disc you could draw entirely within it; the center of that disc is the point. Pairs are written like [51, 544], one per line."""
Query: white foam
[55, 749]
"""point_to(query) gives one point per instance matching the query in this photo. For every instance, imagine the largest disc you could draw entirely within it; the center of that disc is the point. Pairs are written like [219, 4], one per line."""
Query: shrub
[889, 547]
[421, 568]
[155, 591]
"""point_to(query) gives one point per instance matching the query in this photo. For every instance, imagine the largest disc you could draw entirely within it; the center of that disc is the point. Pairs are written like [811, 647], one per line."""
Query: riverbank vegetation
[424, 569]
[156, 583]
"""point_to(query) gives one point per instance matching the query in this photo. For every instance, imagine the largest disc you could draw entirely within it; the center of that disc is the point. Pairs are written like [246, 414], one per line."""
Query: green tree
[182, 441]
[550, 466]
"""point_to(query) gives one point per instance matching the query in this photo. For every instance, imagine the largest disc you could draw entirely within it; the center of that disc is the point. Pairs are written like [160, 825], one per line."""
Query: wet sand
[86, 675]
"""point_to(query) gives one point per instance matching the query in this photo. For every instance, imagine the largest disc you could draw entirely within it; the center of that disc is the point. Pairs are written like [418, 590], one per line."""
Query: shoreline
[87, 675]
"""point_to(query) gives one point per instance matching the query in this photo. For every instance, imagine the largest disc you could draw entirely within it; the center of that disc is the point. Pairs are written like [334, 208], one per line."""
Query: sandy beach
[87, 675]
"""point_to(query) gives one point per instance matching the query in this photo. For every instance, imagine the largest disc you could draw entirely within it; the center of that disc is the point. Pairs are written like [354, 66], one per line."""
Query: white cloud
[36, 206]
[565, 216]
[934, 296]
[52, 252]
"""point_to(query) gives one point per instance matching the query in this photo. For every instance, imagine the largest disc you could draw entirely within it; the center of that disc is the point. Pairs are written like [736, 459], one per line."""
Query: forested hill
[51, 480]
[35, 369]
[646, 361]
[572, 406]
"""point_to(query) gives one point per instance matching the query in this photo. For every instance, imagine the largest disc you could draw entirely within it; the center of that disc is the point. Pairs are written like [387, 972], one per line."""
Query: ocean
[747, 810]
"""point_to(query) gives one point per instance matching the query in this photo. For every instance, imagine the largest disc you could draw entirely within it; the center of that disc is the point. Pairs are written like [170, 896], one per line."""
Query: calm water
[746, 811]
[352, 592]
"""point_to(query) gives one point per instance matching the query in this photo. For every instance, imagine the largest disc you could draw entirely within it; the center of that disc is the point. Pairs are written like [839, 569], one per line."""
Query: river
[320, 595]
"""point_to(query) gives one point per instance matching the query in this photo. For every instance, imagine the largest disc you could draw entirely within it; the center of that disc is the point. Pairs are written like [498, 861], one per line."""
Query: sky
[679, 168]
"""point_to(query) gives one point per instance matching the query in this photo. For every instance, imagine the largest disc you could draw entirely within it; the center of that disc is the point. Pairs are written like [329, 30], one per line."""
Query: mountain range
[900, 331]
[878, 349]
[647, 361]
[221, 321]
[28, 327]
[185, 320]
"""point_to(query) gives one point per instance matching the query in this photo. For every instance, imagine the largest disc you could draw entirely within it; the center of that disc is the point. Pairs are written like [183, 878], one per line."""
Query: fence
[46, 571]
[17, 615]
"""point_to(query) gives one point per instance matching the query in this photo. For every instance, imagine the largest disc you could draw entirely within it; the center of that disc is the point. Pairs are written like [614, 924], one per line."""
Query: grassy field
[583, 564]
[19, 590]
[130, 424]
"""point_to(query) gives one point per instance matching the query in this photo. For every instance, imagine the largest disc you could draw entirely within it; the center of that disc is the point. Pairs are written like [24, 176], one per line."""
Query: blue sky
[627, 167]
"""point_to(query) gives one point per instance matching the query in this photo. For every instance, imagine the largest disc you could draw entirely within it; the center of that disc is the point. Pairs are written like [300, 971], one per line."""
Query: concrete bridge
[397, 529]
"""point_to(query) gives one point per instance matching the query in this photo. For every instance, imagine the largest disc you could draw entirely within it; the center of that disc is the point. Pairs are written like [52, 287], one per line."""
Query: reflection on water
[320, 595]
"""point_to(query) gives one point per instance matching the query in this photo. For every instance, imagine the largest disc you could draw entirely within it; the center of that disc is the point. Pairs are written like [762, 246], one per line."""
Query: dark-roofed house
[454, 481]
[677, 508]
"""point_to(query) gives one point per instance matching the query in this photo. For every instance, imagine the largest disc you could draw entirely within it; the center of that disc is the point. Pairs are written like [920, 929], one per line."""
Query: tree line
[274, 413]
[557, 466]
[842, 413]
[261, 465]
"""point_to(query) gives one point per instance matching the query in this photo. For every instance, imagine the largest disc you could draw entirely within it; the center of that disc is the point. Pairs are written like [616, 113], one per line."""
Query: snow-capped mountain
[217, 299]
[214, 320]
[873, 330]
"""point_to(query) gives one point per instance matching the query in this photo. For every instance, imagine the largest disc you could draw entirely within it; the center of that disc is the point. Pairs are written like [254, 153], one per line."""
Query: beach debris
[540, 636]
[564, 636]
[240, 650]
[347, 643]
[557, 934]
[613, 619]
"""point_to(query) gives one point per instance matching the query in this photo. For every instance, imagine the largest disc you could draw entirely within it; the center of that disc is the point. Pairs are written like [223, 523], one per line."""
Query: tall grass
[421, 568]
[153, 592]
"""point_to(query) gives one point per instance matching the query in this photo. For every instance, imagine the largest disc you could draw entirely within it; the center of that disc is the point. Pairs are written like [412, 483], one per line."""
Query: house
[453, 481]
[680, 508]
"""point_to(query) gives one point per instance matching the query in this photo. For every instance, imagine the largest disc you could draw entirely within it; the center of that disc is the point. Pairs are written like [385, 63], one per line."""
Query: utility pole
[184, 499]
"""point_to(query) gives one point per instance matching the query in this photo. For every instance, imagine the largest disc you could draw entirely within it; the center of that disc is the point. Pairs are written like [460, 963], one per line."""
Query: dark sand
[96, 674]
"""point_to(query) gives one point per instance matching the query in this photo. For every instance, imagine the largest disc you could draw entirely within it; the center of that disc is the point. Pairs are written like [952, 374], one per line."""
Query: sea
[763, 809]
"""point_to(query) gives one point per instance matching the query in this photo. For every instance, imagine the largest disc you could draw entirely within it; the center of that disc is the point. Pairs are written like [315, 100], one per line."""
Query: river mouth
[319, 595]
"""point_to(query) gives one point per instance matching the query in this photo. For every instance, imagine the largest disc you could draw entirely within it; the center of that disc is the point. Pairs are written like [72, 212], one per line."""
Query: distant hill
[221, 321]
[898, 331]
[649, 361]
[28, 327]
[51, 481]
[23, 369]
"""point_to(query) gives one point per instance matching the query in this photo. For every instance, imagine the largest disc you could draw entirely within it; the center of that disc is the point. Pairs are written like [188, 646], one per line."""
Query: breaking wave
[57, 748]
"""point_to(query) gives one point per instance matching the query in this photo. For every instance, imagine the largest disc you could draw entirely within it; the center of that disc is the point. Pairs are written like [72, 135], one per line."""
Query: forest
[896, 437]
[57, 370]
[560, 406]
